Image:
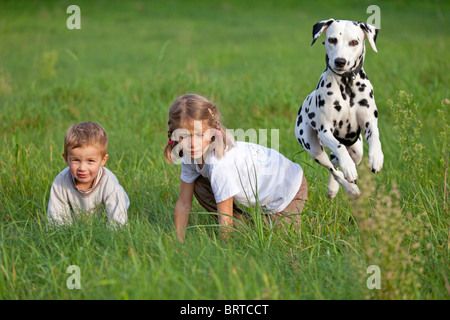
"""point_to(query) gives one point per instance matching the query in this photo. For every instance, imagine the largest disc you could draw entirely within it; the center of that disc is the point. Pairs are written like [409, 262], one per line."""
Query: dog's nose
[339, 62]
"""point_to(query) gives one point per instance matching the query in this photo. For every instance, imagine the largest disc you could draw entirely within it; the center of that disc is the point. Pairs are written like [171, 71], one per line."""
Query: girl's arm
[226, 217]
[183, 208]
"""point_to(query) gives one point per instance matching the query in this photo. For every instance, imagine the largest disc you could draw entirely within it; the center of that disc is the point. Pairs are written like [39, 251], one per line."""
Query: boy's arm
[58, 210]
[225, 208]
[183, 209]
[117, 204]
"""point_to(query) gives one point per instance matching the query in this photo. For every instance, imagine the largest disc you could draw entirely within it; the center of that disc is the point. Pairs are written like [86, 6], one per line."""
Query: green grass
[124, 68]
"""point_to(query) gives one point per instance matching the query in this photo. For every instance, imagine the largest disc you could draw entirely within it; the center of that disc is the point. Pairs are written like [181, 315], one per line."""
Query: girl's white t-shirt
[249, 173]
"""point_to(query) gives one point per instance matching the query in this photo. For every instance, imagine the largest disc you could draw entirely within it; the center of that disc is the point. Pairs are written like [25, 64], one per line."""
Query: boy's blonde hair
[86, 134]
[192, 107]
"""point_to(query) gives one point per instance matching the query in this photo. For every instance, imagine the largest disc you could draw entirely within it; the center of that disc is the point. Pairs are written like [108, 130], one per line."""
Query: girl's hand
[182, 209]
[225, 208]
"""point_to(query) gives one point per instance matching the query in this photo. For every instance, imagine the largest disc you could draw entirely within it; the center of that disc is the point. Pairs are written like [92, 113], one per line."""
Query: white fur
[341, 107]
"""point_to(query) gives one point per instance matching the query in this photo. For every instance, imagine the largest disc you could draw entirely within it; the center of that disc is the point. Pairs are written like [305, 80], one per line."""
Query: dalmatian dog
[342, 107]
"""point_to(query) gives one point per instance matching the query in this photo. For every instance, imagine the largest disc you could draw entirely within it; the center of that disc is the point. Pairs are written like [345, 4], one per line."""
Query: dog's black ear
[371, 34]
[319, 27]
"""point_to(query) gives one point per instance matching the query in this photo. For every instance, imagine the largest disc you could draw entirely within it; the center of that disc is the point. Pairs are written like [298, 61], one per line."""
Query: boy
[85, 185]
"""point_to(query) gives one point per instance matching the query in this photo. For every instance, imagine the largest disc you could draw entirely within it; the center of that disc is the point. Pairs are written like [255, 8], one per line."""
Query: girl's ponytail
[172, 152]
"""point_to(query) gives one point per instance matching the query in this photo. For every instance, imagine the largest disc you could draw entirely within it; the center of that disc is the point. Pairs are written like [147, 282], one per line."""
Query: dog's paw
[349, 171]
[333, 187]
[353, 190]
[376, 161]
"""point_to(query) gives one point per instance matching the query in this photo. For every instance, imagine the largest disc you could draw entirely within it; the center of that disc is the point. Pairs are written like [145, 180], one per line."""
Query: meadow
[123, 69]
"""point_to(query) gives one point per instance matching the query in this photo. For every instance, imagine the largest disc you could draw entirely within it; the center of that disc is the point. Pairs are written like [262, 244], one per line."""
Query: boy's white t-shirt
[249, 173]
[66, 200]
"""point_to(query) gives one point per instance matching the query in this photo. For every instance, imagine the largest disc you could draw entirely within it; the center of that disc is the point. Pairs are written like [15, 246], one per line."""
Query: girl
[220, 171]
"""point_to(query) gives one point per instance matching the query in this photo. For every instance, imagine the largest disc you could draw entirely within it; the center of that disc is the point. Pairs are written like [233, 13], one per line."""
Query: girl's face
[195, 140]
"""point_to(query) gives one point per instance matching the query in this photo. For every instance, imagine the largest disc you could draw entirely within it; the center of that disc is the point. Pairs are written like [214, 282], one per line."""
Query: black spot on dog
[348, 85]
[350, 138]
[368, 134]
[311, 115]
[371, 94]
[363, 103]
[375, 114]
[344, 96]
[364, 27]
[348, 82]
[329, 85]
[361, 55]
[322, 83]
[361, 89]
[300, 141]
[329, 93]
[301, 132]
[299, 120]
[313, 124]
[340, 124]
[367, 124]
[341, 87]
[362, 75]
[321, 102]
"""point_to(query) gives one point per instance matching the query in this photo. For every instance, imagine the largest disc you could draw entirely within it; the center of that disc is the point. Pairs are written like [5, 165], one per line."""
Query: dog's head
[344, 43]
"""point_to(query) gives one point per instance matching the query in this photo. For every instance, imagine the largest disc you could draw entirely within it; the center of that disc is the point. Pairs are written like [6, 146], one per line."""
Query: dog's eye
[353, 43]
[332, 40]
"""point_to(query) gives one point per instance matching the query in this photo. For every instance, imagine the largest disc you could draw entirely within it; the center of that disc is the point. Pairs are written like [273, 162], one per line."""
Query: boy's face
[84, 164]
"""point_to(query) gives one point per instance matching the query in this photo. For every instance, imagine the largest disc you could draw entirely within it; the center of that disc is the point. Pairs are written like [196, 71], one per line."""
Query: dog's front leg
[340, 151]
[372, 136]
[376, 156]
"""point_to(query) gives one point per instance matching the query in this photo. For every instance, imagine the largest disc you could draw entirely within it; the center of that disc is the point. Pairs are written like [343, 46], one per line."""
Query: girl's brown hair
[189, 108]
